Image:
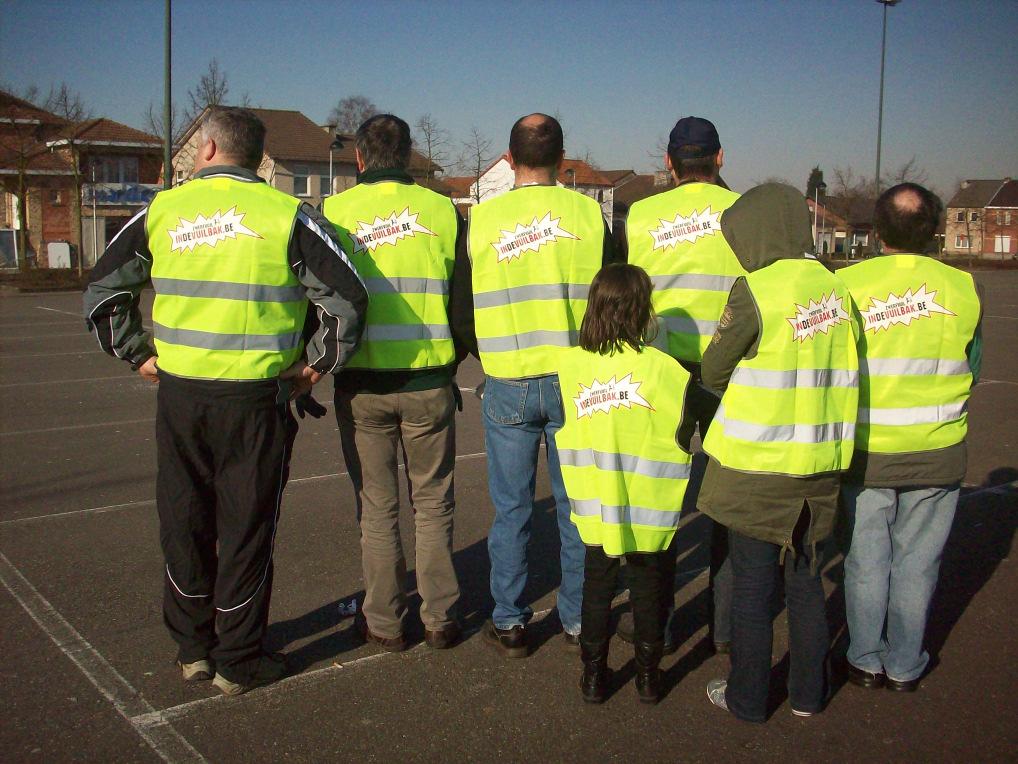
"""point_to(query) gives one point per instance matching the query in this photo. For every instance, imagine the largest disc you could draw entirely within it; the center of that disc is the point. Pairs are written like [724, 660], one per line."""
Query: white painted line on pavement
[33, 324]
[149, 502]
[131, 376]
[82, 334]
[996, 382]
[168, 715]
[51, 355]
[1002, 489]
[65, 312]
[161, 737]
[1007, 318]
[76, 427]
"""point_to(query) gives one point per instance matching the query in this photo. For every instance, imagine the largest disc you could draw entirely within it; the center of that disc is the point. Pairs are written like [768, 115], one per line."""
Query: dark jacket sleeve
[608, 247]
[111, 297]
[974, 350]
[461, 298]
[735, 338]
[332, 286]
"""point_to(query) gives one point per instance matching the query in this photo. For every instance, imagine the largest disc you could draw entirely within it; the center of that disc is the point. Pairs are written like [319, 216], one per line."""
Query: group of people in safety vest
[822, 401]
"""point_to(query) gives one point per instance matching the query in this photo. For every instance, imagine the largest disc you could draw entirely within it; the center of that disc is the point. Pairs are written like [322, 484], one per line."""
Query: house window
[1002, 244]
[961, 241]
[1003, 218]
[56, 198]
[178, 177]
[973, 217]
[301, 181]
[960, 216]
[324, 189]
[115, 169]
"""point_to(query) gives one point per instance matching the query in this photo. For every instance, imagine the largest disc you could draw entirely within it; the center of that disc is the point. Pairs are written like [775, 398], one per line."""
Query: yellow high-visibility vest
[624, 473]
[228, 306]
[402, 240]
[676, 237]
[791, 409]
[533, 251]
[917, 317]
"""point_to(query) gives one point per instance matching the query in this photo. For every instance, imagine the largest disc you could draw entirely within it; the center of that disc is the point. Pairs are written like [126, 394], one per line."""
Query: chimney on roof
[329, 127]
[661, 178]
[964, 184]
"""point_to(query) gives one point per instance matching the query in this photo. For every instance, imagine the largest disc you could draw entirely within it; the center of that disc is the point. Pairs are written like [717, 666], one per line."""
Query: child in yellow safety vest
[623, 469]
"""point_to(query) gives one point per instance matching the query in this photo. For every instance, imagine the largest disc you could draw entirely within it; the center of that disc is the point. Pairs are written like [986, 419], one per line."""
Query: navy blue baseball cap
[693, 137]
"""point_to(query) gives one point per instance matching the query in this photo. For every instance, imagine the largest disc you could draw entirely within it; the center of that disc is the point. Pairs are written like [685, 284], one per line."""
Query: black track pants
[223, 456]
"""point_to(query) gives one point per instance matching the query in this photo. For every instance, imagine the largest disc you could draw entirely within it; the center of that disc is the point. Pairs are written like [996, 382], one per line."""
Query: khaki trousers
[372, 427]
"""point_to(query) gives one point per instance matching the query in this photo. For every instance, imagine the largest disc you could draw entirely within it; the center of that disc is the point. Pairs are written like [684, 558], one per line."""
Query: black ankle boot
[648, 675]
[594, 682]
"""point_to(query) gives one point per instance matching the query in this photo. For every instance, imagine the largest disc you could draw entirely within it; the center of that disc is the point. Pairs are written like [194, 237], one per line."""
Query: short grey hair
[238, 134]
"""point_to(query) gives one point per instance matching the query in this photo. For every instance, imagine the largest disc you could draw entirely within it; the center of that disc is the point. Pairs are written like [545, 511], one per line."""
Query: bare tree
[350, 112]
[432, 142]
[211, 90]
[475, 156]
[65, 103]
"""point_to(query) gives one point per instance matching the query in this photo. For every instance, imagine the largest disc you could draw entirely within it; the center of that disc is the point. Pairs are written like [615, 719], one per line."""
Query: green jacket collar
[382, 174]
[229, 169]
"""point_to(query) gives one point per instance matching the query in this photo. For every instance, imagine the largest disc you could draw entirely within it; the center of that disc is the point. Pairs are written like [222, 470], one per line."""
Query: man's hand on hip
[149, 370]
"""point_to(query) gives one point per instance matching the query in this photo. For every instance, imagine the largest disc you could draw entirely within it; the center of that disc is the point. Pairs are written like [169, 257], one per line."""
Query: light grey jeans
[891, 569]
[372, 427]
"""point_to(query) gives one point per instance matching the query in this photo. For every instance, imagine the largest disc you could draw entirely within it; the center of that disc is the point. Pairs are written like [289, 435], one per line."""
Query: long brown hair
[619, 311]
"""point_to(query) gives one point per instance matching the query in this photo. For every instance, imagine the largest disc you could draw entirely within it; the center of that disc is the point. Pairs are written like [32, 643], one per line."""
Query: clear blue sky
[789, 84]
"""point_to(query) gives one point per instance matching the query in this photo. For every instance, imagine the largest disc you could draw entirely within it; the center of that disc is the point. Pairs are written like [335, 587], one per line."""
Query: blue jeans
[891, 568]
[517, 414]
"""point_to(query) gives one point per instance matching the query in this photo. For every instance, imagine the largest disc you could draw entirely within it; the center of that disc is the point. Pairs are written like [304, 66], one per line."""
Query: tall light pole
[819, 188]
[880, 111]
[336, 145]
[167, 105]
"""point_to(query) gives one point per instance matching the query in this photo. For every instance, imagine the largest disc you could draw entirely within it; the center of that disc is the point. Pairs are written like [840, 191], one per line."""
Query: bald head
[536, 141]
[906, 217]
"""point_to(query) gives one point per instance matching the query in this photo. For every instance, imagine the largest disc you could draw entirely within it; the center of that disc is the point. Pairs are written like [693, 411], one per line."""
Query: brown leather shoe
[395, 644]
[444, 638]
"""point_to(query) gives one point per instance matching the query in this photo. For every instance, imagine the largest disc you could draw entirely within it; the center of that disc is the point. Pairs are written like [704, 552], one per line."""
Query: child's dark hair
[619, 311]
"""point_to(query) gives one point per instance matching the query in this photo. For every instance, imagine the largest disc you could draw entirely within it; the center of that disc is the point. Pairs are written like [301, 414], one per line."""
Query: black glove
[306, 404]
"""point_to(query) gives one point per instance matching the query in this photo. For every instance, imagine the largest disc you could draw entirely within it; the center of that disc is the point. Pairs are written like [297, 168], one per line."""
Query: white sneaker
[716, 692]
[804, 714]
[199, 671]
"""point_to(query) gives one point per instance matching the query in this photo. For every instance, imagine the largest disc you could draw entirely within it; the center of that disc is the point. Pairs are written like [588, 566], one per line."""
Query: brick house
[1000, 223]
[965, 218]
[297, 156]
[50, 162]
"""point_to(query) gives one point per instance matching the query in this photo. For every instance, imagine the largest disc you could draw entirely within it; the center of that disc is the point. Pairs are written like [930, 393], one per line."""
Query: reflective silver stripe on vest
[383, 332]
[216, 341]
[687, 325]
[892, 367]
[913, 414]
[526, 340]
[501, 297]
[785, 433]
[703, 281]
[406, 285]
[604, 460]
[228, 290]
[781, 380]
[632, 515]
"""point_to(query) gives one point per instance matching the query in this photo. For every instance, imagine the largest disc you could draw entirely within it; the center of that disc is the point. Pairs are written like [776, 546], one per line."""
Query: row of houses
[70, 186]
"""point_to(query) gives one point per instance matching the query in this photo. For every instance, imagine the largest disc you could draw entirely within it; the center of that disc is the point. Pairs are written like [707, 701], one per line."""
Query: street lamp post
[571, 174]
[820, 187]
[336, 145]
[880, 110]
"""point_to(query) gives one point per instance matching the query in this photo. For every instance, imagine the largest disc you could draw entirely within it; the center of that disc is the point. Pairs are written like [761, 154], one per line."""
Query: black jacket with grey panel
[767, 224]
[332, 286]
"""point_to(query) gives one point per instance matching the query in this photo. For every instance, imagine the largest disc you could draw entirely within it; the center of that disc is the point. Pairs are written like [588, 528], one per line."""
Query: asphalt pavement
[86, 666]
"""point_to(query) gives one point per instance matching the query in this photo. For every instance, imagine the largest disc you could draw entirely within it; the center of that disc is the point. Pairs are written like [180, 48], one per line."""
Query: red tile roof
[585, 174]
[614, 176]
[14, 108]
[459, 184]
[106, 130]
[975, 193]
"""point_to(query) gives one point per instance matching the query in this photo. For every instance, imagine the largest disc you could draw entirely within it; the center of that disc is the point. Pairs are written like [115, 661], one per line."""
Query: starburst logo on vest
[387, 230]
[605, 396]
[211, 230]
[909, 307]
[817, 317]
[683, 228]
[530, 237]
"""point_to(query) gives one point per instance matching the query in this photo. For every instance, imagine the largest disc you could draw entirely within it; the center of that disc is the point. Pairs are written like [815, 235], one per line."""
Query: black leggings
[651, 584]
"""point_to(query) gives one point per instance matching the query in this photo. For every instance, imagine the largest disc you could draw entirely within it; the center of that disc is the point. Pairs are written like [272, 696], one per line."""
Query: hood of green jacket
[766, 224]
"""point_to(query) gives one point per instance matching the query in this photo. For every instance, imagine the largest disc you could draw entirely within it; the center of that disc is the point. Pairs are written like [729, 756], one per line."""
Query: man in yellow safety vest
[234, 264]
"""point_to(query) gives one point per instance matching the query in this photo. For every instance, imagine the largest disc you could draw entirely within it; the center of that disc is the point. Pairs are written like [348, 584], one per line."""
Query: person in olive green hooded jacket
[784, 357]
